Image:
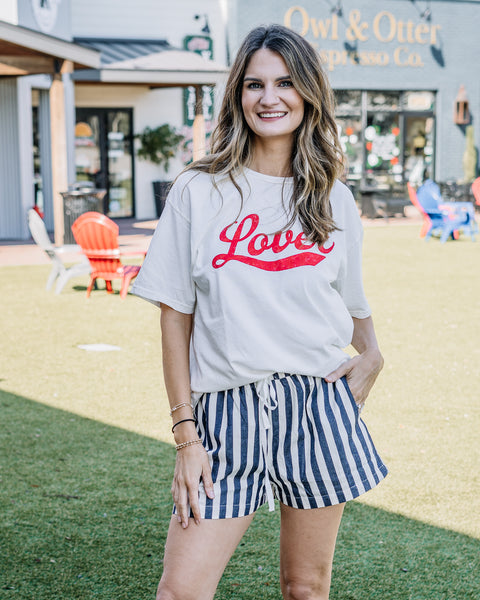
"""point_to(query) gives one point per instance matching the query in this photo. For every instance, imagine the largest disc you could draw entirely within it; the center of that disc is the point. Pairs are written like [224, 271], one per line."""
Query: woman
[256, 266]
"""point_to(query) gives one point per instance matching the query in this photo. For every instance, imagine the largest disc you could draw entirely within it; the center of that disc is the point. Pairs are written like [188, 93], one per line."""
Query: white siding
[8, 11]
[150, 19]
[10, 192]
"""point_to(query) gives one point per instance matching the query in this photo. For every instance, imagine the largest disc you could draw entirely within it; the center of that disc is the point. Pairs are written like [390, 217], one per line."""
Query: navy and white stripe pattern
[297, 434]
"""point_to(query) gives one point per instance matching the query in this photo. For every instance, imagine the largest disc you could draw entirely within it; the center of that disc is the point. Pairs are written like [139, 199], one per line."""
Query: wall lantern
[461, 114]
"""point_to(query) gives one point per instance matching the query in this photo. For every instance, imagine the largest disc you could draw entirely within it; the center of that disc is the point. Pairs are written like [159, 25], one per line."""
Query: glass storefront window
[37, 171]
[382, 146]
[350, 134]
[418, 101]
[87, 149]
[418, 158]
[383, 100]
[349, 102]
[119, 164]
[387, 136]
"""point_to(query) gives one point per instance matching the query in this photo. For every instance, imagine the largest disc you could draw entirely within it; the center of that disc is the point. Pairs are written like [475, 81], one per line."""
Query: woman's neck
[272, 158]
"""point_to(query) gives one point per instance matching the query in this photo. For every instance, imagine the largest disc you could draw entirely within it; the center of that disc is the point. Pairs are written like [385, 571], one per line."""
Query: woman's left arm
[361, 370]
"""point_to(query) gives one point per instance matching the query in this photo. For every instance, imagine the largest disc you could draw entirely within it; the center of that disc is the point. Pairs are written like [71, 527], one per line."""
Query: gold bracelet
[185, 444]
[172, 410]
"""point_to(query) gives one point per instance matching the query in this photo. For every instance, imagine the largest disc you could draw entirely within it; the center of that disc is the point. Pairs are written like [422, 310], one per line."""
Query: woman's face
[271, 105]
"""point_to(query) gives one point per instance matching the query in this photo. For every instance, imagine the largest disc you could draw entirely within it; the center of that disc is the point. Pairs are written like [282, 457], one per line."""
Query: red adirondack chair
[97, 235]
[476, 190]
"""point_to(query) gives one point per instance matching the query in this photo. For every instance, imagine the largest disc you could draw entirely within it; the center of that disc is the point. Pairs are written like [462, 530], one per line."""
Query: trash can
[75, 203]
[160, 191]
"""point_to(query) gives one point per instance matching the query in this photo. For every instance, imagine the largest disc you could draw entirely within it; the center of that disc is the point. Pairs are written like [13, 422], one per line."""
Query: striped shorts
[292, 437]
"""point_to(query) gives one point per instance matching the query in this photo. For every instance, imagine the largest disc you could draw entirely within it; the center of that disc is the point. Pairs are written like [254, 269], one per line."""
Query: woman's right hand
[192, 465]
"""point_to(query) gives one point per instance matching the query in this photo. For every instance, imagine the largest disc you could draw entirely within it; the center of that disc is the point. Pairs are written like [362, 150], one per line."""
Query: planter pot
[160, 191]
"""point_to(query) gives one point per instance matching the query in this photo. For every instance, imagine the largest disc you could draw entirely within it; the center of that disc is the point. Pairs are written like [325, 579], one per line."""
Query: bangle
[172, 410]
[185, 444]
[182, 421]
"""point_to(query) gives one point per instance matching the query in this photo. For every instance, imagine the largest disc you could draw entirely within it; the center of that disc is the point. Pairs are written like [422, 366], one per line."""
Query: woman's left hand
[361, 373]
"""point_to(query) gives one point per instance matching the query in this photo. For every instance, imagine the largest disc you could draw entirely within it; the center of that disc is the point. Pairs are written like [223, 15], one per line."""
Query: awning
[25, 52]
[149, 62]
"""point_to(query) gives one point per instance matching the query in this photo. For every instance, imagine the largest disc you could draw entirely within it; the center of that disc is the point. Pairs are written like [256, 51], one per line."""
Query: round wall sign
[45, 12]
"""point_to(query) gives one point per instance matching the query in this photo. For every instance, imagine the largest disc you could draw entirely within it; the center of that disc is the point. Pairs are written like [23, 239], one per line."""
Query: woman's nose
[269, 95]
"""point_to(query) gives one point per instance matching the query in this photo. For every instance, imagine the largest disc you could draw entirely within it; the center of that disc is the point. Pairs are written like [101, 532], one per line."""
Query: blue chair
[444, 216]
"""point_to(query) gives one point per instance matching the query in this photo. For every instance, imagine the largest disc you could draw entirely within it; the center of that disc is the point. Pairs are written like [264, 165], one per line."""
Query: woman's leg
[307, 544]
[196, 557]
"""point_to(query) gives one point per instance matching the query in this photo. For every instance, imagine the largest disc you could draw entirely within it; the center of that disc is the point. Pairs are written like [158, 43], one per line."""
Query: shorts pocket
[358, 407]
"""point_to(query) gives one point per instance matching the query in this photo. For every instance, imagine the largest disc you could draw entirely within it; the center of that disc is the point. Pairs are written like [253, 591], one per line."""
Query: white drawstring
[268, 400]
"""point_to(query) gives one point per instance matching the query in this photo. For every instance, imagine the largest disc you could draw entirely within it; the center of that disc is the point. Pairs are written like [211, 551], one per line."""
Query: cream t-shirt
[264, 299]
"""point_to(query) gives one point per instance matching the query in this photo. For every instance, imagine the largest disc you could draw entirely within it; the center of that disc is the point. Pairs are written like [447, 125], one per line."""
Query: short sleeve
[351, 287]
[350, 281]
[166, 274]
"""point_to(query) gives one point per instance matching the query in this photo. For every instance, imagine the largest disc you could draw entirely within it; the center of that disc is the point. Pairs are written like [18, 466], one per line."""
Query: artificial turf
[86, 454]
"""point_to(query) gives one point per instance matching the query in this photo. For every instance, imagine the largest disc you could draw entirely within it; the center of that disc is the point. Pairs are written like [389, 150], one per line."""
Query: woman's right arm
[192, 461]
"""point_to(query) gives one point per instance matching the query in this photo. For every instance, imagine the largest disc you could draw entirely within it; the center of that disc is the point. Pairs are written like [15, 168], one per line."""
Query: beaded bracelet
[182, 421]
[172, 410]
[185, 444]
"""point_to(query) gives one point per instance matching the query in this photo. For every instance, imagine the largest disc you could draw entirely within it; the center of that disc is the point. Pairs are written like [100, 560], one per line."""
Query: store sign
[203, 45]
[384, 28]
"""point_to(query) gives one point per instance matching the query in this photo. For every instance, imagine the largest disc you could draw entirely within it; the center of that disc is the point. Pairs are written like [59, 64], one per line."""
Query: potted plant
[158, 146]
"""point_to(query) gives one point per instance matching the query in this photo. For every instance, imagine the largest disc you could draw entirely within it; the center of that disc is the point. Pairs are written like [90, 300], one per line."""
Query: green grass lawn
[86, 455]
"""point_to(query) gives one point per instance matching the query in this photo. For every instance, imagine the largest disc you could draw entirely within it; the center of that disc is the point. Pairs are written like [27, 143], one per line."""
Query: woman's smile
[276, 115]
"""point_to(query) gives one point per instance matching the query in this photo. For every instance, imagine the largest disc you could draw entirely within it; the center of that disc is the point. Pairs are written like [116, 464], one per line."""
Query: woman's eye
[254, 85]
[286, 83]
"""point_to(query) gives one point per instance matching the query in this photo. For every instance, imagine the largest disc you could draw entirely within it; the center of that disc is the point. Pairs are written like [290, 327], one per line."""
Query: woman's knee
[180, 591]
[301, 589]
[165, 592]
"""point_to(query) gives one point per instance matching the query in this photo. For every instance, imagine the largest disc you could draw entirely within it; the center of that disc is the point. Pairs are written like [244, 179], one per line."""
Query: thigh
[307, 545]
[196, 557]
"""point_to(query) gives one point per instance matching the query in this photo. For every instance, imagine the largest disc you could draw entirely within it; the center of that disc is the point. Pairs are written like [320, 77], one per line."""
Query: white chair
[59, 271]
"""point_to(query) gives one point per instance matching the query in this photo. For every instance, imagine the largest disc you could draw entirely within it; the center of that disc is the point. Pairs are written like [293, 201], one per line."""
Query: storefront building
[36, 110]
[121, 70]
[397, 68]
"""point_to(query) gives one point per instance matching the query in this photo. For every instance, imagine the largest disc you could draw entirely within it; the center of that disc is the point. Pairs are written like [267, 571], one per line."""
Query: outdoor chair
[97, 235]
[59, 271]
[447, 217]
[427, 223]
[476, 190]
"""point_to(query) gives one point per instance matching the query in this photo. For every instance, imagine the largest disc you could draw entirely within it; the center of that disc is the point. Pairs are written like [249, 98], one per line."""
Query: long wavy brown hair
[317, 158]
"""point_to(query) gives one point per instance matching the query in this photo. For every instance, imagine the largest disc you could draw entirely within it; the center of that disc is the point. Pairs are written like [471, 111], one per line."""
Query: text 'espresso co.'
[352, 29]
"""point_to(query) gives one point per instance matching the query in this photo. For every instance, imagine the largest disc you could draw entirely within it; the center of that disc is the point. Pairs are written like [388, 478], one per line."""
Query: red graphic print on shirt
[258, 243]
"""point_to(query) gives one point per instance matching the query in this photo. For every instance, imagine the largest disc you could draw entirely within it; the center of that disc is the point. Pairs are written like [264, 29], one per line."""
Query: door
[419, 144]
[104, 156]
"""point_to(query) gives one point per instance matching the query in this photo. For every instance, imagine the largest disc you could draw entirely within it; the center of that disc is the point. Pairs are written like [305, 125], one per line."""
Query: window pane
[350, 134]
[87, 149]
[383, 100]
[418, 100]
[418, 157]
[348, 101]
[382, 145]
[120, 164]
